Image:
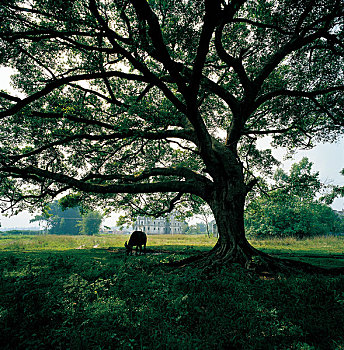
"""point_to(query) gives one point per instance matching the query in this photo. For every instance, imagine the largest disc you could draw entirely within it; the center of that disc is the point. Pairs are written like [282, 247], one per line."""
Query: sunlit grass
[44, 242]
[321, 244]
[317, 245]
[65, 242]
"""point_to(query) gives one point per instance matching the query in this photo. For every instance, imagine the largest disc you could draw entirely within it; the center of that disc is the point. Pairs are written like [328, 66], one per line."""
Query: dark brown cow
[138, 239]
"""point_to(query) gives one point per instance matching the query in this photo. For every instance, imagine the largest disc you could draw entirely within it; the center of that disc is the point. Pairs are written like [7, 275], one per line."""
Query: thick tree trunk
[226, 199]
[227, 204]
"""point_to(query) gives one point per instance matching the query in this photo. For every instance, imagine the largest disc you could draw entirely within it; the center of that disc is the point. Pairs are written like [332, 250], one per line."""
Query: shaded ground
[100, 299]
[97, 298]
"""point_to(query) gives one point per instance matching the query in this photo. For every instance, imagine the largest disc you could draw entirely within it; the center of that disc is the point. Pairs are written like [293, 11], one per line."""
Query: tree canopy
[149, 104]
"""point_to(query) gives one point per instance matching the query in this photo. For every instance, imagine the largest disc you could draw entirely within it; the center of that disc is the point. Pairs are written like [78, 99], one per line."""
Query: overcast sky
[328, 159]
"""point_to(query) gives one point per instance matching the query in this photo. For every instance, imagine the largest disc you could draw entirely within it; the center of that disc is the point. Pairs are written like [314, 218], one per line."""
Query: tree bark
[227, 205]
[226, 201]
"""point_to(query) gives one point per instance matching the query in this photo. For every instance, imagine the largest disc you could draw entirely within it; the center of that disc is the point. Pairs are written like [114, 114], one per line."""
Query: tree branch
[172, 205]
[295, 43]
[335, 119]
[140, 66]
[293, 93]
[160, 52]
[146, 174]
[37, 174]
[267, 132]
[211, 17]
[261, 25]
[181, 134]
[51, 86]
[235, 63]
[9, 97]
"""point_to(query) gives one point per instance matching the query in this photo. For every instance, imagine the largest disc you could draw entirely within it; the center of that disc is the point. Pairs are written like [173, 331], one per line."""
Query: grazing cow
[138, 239]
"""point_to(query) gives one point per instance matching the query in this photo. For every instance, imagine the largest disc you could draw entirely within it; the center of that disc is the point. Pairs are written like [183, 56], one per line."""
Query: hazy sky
[328, 159]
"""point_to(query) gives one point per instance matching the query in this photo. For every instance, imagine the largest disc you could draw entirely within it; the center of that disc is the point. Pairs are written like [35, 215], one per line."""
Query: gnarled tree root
[253, 261]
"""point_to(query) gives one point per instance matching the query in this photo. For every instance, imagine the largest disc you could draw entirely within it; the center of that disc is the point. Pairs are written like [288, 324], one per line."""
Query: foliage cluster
[292, 207]
[95, 299]
[283, 215]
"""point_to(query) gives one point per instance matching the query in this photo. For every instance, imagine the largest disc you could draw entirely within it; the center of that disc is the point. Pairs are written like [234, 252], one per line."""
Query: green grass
[48, 242]
[327, 251]
[56, 296]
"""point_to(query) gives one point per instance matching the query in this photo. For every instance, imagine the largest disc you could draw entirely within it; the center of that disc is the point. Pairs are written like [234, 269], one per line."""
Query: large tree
[152, 103]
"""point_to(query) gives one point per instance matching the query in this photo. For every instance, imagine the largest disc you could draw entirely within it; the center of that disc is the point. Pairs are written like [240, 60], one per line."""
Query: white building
[158, 226]
[213, 228]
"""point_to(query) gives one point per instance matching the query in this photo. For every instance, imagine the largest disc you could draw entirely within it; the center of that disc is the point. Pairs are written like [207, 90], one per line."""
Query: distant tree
[59, 220]
[90, 223]
[300, 181]
[337, 191]
[291, 209]
[192, 230]
[204, 214]
[197, 229]
[283, 215]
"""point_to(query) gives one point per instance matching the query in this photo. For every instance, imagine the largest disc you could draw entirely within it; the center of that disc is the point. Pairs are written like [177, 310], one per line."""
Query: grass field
[325, 251]
[78, 292]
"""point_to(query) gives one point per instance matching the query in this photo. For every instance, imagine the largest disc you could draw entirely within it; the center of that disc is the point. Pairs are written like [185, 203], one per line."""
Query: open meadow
[82, 292]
